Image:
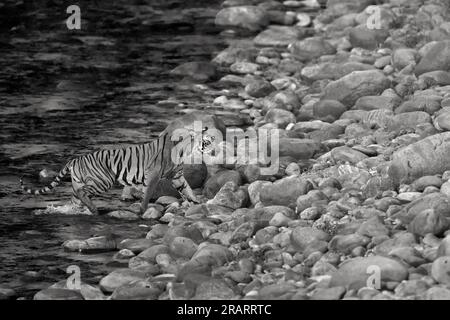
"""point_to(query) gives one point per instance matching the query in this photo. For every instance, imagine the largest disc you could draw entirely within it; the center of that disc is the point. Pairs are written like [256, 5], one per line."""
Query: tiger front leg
[83, 195]
[184, 189]
[151, 181]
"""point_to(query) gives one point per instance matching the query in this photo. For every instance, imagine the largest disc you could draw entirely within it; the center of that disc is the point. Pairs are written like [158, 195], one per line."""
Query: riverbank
[360, 206]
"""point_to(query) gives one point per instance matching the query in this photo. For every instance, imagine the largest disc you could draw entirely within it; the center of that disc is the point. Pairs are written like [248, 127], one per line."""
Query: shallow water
[65, 93]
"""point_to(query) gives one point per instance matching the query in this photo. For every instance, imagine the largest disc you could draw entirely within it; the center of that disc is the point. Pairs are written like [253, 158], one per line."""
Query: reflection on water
[64, 95]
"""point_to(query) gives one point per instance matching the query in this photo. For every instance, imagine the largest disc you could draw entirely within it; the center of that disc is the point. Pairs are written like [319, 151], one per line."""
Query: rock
[95, 244]
[328, 110]
[425, 157]
[415, 287]
[120, 277]
[259, 88]
[230, 196]
[276, 291]
[247, 17]
[409, 255]
[439, 77]
[58, 294]
[135, 245]
[334, 293]
[336, 8]
[311, 48]
[254, 190]
[151, 253]
[280, 117]
[426, 181]
[234, 54]
[442, 121]
[7, 293]
[403, 57]
[362, 37]
[444, 247]
[279, 220]
[214, 289]
[355, 272]
[436, 58]
[369, 103]
[346, 243]
[137, 290]
[123, 215]
[298, 148]
[91, 293]
[218, 180]
[373, 227]
[307, 240]
[196, 70]
[278, 36]
[355, 85]
[440, 270]
[345, 154]
[284, 191]
[437, 293]
[306, 201]
[429, 221]
[408, 120]
[243, 67]
[183, 247]
[333, 71]
[428, 104]
[436, 201]
[152, 214]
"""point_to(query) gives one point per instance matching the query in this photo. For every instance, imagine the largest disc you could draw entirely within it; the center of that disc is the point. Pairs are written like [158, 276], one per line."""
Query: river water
[67, 92]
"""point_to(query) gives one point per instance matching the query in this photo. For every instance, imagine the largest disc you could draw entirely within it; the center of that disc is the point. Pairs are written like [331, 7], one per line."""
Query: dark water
[64, 93]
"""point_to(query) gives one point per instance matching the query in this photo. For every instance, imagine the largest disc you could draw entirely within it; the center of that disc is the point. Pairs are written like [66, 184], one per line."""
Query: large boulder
[436, 58]
[425, 157]
[355, 85]
[355, 273]
[284, 191]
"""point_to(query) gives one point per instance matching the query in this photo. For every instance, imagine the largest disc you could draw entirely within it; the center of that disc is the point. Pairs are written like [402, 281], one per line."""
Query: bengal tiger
[142, 164]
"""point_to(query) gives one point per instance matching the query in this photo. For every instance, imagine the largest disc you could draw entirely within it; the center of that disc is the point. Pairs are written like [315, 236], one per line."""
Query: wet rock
[278, 36]
[152, 213]
[429, 221]
[284, 191]
[353, 272]
[135, 245]
[123, 215]
[436, 58]
[248, 17]
[259, 88]
[311, 48]
[234, 54]
[58, 294]
[308, 240]
[334, 293]
[328, 110]
[355, 85]
[7, 293]
[95, 244]
[440, 270]
[218, 180]
[120, 277]
[362, 37]
[150, 254]
[425, 157]
[280, 117]
[196, 70]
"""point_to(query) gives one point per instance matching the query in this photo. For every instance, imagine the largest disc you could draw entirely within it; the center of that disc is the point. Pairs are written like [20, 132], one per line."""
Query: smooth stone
[120, 277]
[440, 270]
[429, 221]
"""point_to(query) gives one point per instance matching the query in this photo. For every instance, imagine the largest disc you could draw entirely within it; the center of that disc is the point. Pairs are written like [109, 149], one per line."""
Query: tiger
[141, 164]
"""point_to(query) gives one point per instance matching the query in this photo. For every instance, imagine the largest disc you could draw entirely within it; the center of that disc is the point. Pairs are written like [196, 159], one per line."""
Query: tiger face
[206, 143]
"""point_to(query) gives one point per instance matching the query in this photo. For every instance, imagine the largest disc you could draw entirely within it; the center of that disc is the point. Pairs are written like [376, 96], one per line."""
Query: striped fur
[143, 164]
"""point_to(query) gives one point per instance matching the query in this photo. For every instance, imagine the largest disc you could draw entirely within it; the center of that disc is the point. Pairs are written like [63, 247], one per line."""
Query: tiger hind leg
[84, 196]
[184, 189]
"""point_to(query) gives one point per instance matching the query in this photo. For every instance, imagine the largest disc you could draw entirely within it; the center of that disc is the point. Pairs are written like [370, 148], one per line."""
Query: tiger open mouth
[207, 146]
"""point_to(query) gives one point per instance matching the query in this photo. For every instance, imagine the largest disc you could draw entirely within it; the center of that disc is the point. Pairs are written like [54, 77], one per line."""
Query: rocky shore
[360, 206]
